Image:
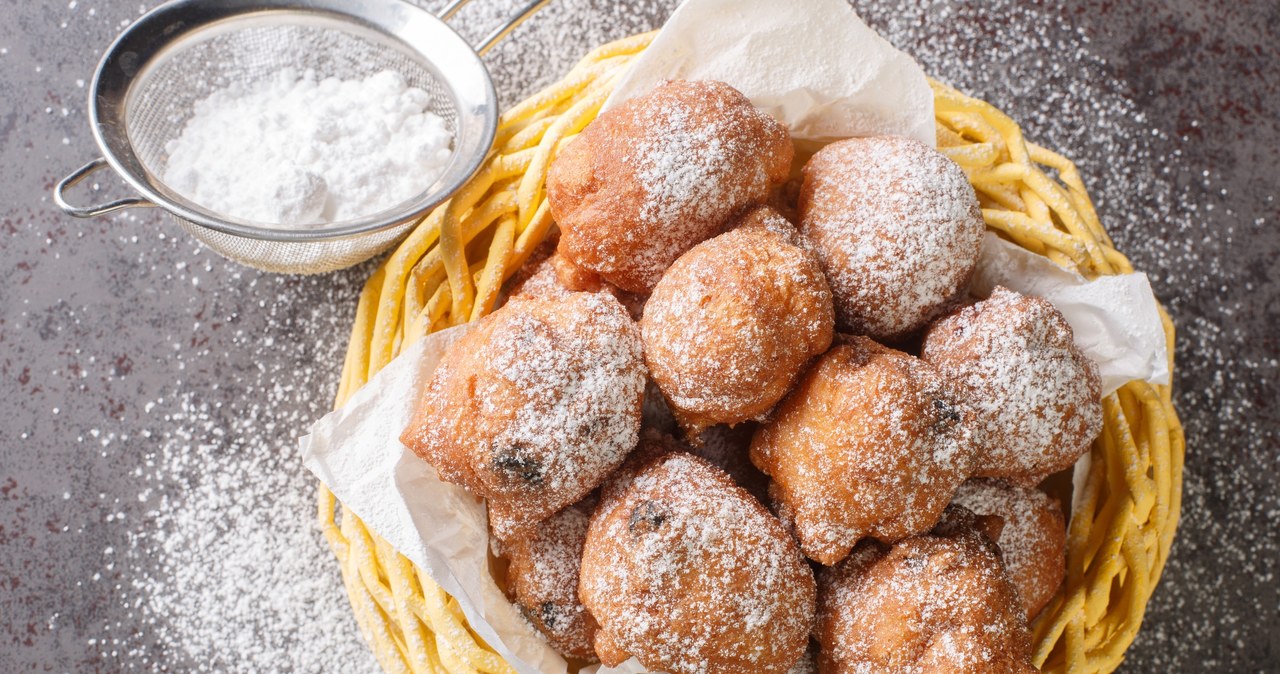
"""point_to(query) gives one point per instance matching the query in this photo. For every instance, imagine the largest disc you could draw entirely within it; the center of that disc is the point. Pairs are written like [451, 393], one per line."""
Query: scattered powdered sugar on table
[212, 560]
[299, 150]
[236, 578]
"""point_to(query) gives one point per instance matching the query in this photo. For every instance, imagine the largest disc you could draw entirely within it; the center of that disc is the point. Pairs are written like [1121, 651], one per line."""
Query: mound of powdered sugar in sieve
[298, 151]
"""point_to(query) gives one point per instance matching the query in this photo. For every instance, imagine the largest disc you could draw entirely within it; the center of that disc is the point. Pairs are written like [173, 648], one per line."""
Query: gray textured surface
[153, 515]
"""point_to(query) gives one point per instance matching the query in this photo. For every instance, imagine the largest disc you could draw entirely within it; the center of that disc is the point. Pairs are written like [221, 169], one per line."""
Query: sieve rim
[135, 49]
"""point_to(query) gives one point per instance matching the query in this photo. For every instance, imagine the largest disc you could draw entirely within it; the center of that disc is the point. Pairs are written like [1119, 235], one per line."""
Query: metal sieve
[146, 86]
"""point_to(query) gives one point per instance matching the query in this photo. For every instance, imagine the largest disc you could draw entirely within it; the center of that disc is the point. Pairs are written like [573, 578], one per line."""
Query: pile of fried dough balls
[740, 420]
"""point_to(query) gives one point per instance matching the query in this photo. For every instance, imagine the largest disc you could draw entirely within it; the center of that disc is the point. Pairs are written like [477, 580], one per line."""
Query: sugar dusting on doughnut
[937, 602]
[543, 578]
[871, 442]
[536, 406]
[689, 573]
[646, 181]
[1037, 396]
[734, 320]
[897, 228]
[1032, 540]
[582, 388]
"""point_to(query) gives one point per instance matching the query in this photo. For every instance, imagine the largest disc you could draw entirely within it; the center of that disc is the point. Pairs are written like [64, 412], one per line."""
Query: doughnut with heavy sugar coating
[647, 180]
[871, 442]
[936, 603]
[1037, 397]
[897, 228]
[690, 574]
[542, 579]
[535, 407]
[734, 321]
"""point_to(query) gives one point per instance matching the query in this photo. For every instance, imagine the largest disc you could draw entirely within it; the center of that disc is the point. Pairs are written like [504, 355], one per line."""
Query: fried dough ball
[872, 442]
[897, 228]
[647, 180]
[543, 580]
[807, 664]
[552, 276]
[733, 322]
[536, 277]
[729, 449]
[931, 604]
[1038, 398]
[691, 575]
[1033, 540]
[535, 406]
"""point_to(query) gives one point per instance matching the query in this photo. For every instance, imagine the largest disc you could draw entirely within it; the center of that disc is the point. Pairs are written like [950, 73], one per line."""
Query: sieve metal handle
[529, 9]
[59, 196]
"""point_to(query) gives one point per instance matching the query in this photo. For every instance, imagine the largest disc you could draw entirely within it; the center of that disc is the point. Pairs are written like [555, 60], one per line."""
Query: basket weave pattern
[451, 267]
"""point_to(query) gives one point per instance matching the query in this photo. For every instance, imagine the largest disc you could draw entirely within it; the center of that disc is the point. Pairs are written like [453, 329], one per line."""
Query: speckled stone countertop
[154, 514]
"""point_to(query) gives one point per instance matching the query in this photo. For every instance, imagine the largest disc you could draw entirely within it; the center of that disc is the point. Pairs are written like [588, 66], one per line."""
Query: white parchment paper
[1114, 318]
[812, 64]
[440, 527]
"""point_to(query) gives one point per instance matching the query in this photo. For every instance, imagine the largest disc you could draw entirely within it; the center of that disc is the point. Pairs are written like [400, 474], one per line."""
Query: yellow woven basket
[452, 266]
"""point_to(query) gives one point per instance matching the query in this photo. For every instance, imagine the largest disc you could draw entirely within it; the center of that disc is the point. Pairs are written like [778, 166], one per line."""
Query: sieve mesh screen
[162, 99]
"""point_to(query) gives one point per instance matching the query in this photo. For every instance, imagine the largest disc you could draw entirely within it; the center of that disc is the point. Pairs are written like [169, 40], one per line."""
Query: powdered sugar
[733, 321]
[296, 151]
[1032, 539]
[1036, 396]
[684, 570]
[897, 229]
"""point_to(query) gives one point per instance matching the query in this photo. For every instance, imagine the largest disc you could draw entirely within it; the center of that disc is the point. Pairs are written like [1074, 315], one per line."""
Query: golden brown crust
[723, 447]
[897, 228]
[692, 575]
[931, 604]
[1033, 539]
[538, 280]
[871, 442]
[576, 279]
[734, 321]
[534, 407]
[543, 580]
[1037, 397]
[729, 449]
[647, 180]
[553, 276]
